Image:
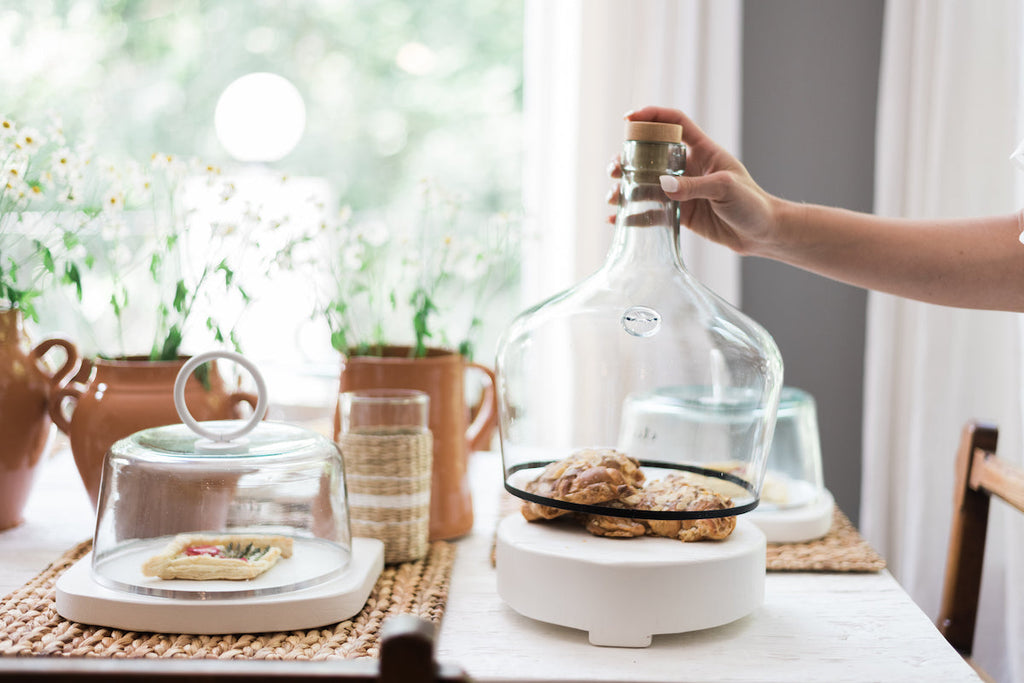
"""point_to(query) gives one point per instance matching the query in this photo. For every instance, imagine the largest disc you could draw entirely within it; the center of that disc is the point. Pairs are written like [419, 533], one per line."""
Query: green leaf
[423, 306]
[338, 341]
[229, 275]
[169, 350]
[29, 310]
[203, 375]
[180, 295]
[48, 263]
[72, 276]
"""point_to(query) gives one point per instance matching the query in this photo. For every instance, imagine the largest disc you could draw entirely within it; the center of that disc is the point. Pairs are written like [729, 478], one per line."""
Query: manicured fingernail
[669, 183]
[629, 113]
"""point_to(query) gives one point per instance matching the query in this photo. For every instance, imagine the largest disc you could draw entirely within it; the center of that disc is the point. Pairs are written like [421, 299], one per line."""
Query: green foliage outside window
[397, 92]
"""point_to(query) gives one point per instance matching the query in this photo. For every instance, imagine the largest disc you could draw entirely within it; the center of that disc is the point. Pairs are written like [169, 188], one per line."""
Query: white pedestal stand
[622, 591]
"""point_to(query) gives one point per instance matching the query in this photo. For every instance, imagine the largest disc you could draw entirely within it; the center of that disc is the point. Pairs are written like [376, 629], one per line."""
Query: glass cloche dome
[795, 505]
[794, 472]
[638, 373]
[262, 505]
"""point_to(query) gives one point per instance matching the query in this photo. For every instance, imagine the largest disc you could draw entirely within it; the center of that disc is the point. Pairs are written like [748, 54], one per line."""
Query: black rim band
[640, 514]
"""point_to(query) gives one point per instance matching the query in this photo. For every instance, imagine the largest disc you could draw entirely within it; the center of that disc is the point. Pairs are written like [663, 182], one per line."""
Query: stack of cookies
[609, 478]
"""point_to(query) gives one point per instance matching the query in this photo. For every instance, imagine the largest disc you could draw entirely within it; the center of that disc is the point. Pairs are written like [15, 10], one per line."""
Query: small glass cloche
[795, 505]
[794, 476]
[179, 500]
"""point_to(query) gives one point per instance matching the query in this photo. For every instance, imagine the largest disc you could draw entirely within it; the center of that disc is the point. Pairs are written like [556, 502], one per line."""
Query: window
[366, 97]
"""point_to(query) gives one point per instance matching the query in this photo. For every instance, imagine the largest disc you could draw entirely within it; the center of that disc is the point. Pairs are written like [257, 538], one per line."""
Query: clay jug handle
[59, 394]
[71, 361]
[478, 434]
[60, 383]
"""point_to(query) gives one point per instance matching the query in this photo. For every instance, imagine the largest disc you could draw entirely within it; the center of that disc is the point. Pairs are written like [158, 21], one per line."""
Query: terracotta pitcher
[109, 399]
[441, 374]
[24, 421]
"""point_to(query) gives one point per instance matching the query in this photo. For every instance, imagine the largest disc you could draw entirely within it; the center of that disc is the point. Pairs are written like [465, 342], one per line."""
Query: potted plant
[48, 199]
[405, 307]
[171, 262]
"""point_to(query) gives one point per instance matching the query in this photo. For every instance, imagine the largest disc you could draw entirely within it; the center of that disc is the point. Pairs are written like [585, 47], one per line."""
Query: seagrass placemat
[30, 625]
[842, 549]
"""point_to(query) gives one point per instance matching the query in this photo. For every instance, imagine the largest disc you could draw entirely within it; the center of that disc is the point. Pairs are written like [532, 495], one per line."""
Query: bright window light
[260, 117]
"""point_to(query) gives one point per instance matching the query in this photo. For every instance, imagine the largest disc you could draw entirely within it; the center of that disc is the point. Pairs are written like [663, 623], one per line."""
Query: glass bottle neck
[647, 226]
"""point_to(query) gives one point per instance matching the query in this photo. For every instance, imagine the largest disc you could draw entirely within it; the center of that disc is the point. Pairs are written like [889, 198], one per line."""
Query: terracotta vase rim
[125, 361]
[398, 353]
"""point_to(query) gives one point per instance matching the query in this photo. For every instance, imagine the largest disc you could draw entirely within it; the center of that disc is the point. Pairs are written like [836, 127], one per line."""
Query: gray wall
[810, 81]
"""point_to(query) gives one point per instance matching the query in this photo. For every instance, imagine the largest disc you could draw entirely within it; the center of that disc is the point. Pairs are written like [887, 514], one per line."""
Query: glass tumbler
[387, 448]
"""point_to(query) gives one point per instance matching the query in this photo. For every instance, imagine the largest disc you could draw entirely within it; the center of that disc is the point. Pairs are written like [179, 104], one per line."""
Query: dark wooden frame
[980, 474]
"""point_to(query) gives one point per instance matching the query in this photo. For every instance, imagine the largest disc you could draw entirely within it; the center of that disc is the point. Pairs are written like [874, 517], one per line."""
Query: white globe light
[260, 117]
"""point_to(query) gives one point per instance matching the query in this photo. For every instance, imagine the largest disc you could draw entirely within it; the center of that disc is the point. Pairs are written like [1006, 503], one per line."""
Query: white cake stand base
[796, 525]
[80, 598]
[623, 591]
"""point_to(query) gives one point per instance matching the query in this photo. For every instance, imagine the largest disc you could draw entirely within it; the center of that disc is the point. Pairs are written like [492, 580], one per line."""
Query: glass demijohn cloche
[642, 358]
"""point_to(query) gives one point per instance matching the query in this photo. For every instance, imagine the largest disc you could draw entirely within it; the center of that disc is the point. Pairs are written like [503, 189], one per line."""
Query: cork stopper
[647, 131]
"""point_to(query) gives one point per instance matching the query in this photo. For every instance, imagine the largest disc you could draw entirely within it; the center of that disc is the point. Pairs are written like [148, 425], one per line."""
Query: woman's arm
[971, 262]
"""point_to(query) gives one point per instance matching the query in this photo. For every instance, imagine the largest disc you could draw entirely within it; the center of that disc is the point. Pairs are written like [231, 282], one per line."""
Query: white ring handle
[196, 426]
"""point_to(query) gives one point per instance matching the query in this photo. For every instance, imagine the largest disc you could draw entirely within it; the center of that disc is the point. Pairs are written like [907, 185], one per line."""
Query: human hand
[717, 197]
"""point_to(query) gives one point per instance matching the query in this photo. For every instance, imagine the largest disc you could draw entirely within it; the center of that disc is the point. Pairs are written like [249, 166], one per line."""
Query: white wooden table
[812, 627]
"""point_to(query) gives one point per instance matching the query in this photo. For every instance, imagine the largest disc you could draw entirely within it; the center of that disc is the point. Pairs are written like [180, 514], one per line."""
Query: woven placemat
[842, 549]
[30, 625]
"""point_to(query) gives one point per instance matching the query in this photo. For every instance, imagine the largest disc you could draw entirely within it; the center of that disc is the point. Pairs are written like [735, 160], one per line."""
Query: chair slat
[999, 478]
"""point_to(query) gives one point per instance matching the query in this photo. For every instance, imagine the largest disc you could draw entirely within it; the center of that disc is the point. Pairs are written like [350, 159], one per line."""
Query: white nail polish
[669, 183]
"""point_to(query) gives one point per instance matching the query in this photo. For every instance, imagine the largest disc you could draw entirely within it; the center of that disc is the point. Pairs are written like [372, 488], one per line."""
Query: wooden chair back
[980, 475]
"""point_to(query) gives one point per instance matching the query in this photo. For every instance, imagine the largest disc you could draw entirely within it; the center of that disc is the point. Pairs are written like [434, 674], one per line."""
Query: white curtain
[950, 100]
[588, 62]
